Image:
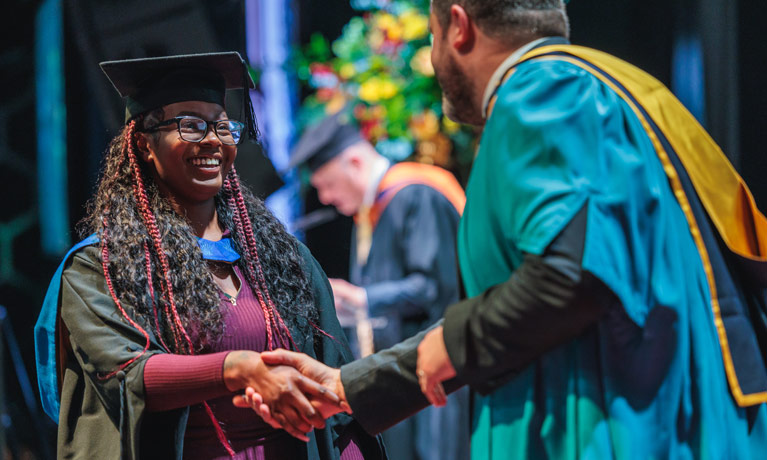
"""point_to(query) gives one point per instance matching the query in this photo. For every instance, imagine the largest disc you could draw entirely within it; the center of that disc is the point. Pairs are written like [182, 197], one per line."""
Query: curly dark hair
[155, 267]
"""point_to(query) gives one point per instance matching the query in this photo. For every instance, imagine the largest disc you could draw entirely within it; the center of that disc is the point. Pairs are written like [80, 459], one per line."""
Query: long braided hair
[155, 271]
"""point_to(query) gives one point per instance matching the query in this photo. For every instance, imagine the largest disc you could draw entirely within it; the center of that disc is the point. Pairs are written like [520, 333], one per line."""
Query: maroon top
[173, 381]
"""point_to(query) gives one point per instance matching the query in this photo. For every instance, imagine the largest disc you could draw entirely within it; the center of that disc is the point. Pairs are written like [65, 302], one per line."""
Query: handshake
[292, 391]
[295, 392]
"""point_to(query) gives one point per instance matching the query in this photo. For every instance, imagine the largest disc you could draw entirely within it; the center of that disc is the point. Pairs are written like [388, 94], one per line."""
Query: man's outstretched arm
[381, 389]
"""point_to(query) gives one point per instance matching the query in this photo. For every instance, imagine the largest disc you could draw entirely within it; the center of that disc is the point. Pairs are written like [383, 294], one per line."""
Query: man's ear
[355, 163]
[461, 29]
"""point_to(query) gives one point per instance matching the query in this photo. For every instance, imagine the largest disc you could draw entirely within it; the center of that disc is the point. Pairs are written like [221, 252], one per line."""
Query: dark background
[642, 33]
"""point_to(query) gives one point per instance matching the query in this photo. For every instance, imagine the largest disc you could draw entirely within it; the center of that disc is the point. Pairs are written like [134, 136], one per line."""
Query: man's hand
[433, 366]
[283, 389]
[326, 377]
[348, 296]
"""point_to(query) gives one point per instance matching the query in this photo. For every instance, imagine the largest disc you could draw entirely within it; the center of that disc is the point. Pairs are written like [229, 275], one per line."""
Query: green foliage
[380, 66]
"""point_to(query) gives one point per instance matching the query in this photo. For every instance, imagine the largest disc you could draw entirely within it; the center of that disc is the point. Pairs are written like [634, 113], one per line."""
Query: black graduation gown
[411, 274]
[106, 418]
[410, 277]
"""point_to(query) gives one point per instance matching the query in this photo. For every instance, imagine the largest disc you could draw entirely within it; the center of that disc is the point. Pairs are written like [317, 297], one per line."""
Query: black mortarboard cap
[323, 141]
[150, 83]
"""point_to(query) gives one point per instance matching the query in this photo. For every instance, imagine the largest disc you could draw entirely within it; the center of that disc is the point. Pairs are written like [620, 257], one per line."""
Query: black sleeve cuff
[382, 389]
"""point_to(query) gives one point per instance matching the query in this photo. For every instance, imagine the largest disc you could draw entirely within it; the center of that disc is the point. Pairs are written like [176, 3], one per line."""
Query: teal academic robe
[560, 140]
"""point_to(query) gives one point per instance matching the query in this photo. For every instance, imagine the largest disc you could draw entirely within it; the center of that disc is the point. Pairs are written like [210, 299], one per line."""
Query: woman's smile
[206, 165]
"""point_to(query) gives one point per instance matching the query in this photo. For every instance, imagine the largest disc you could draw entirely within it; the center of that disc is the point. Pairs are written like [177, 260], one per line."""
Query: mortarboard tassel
[250, 115]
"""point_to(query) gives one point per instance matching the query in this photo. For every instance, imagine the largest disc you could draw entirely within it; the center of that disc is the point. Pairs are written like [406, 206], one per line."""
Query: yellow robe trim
[724, 195]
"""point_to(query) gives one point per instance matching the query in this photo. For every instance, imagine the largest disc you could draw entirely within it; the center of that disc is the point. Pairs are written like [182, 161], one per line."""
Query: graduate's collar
[377, 172]
[219, 251]
[496, 80]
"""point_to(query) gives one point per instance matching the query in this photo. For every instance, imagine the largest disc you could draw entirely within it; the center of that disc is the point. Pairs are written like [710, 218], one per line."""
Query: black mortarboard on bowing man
[325, 140]
[150, 83]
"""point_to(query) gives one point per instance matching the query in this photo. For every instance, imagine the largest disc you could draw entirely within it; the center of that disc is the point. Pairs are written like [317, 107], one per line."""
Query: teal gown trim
[45, 338]
[559, 139]
[220, 251]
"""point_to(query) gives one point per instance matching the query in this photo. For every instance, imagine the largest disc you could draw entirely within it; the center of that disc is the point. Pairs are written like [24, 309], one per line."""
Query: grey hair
[510, 21]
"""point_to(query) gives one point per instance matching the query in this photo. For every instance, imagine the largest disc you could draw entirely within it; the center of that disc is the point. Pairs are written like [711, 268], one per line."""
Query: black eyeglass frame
[208, 124]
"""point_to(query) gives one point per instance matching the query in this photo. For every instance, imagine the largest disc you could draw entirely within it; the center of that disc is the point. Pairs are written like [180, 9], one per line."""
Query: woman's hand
[282, 388]
[317, 371]
[314, 370]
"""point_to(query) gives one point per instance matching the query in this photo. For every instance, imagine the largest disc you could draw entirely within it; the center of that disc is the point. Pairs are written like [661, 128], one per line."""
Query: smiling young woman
[157, 319]
[188, 158]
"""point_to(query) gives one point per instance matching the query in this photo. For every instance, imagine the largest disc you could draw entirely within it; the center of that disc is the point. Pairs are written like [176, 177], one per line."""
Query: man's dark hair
[511, 21]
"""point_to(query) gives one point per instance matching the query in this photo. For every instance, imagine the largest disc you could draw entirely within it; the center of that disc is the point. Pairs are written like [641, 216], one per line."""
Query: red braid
[139, 192]
[250, 272]
[275, 324]
[279, 324]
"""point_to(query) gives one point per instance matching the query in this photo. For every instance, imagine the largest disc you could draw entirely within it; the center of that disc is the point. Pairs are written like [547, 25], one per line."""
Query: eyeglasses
[193, 129]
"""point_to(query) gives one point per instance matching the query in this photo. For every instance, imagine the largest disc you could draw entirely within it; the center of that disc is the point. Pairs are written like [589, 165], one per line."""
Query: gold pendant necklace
[232, 299]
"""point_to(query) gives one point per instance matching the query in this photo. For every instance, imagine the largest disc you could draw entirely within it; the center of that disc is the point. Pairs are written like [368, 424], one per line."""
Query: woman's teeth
[205, 161]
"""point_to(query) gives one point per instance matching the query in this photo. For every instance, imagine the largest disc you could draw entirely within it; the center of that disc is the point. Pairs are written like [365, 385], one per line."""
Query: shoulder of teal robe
[559, 139]
[530, 175]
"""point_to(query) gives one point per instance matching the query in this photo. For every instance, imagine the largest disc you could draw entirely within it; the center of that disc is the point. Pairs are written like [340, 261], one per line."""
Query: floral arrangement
[381, 66]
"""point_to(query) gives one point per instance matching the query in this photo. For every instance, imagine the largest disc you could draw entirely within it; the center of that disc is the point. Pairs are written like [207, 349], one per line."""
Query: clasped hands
[288, 390]
[304, 392]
